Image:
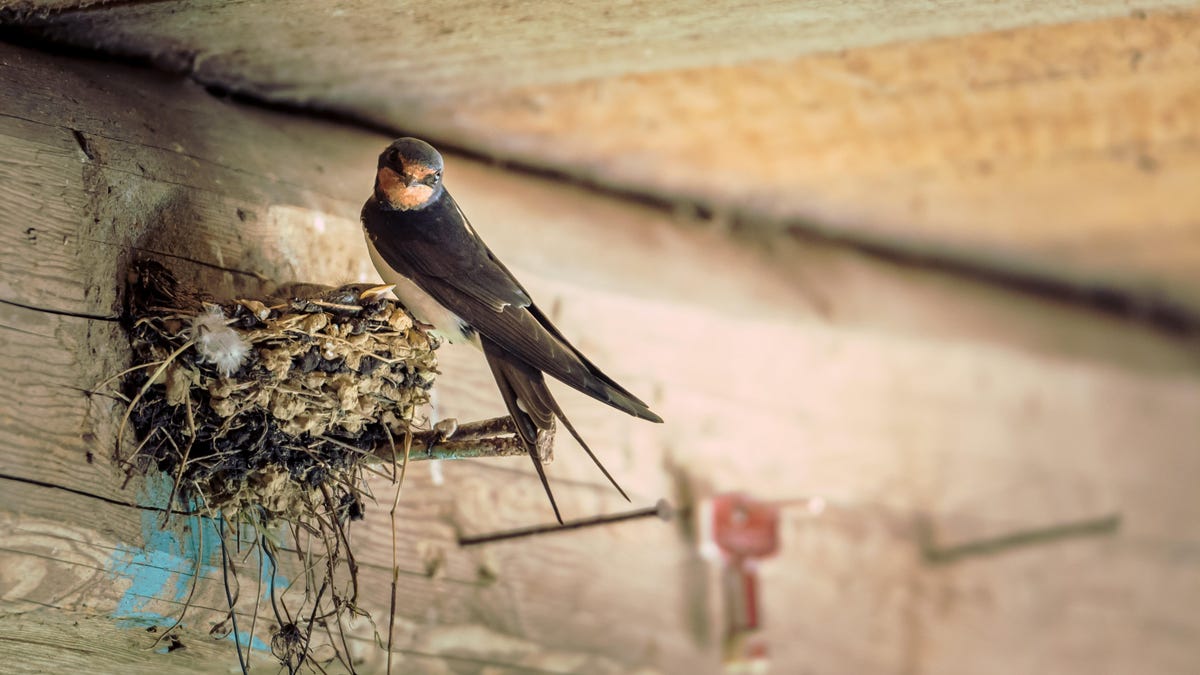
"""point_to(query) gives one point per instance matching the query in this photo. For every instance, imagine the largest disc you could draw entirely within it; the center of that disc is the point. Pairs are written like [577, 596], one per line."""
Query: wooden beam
[918, 405]
[1044, 140]
[1064, 151]
[403, 59]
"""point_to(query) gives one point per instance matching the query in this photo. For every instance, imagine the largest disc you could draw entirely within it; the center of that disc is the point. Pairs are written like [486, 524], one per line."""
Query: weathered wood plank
[84, 642]
[1044, 139]
[418, 55]
[68, 565]
[1066, 150]
[905, 398]
[170, 203]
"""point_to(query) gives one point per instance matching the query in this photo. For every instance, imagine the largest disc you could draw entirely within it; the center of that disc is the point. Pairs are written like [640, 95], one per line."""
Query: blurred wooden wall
[965, 381]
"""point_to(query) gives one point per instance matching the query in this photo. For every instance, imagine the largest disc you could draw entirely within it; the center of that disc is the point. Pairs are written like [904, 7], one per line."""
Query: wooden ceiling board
[389, 59]
[1056, 139]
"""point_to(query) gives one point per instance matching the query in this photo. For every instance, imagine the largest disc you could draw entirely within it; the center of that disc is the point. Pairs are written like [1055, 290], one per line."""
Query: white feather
[217, 343]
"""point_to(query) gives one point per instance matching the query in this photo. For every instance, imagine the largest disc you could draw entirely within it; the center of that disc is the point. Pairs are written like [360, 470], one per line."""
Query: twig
[182, 460]
[495, 437]
[942, 555]
[187, 603]
[335, 524]
[232, 603]
[408, 441]
[311, 622]
[257, 591]
[146, 387]
[661, 510]
[271, 586]
[479, 429]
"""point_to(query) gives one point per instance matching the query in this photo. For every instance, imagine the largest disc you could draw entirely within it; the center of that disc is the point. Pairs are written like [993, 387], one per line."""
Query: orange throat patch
[400, 196]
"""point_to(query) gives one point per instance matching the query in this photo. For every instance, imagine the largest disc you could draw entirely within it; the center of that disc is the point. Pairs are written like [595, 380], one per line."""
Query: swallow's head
[409, 176]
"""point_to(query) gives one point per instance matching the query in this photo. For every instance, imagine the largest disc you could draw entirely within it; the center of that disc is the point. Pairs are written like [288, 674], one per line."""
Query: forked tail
[533, 410]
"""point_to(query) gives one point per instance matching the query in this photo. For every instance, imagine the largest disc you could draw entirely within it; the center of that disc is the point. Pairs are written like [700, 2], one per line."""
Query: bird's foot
[545, 444]
[446, 428]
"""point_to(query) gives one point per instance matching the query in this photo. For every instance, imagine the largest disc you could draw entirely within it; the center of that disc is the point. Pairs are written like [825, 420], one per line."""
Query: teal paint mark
[164, 567]
[255, 643]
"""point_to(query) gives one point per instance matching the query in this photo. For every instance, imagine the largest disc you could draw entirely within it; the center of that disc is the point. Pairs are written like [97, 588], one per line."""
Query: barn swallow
[445, 275]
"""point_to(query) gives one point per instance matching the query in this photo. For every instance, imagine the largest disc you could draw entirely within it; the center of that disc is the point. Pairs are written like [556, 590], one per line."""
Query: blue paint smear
[163, 568]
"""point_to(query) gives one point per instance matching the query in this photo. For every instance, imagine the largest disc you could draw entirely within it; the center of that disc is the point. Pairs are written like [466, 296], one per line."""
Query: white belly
[423, 306]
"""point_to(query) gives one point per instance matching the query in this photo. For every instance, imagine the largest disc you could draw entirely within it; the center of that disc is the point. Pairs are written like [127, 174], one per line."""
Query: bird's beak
[410, 181]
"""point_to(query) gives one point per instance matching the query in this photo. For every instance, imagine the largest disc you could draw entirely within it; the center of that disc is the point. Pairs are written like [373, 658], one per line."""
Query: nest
[267, 412]
[270, 404]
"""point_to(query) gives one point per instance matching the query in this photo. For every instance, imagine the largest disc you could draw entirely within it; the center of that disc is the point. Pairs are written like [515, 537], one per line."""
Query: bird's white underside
[423, 306]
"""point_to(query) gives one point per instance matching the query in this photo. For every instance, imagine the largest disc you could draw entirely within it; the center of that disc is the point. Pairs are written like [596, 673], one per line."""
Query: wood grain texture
[1053, 140]
[920, 406]
[389, 62]
[1068, 149]
[23, 9]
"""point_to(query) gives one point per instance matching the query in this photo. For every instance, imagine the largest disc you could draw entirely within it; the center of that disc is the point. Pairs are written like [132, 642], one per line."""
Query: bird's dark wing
[533, 409]
[437, 248]
[545, 323]
[435, 242]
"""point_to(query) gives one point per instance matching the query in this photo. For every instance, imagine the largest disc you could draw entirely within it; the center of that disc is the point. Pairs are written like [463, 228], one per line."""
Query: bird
[422, 243]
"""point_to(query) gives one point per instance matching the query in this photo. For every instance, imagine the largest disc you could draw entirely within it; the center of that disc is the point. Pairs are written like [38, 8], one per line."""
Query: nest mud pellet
[270, 403]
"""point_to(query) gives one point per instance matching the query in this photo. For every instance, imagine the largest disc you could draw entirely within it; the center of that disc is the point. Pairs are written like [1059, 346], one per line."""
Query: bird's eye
[393, 155]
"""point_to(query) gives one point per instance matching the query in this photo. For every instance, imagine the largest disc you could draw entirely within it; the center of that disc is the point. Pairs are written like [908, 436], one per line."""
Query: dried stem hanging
[269, 411]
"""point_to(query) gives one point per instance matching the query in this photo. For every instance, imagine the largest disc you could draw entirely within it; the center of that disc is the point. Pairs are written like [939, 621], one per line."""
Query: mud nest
[270, 404]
